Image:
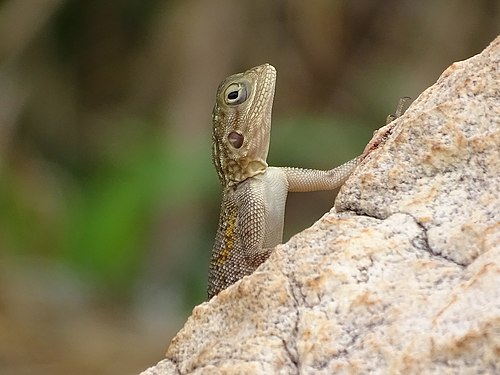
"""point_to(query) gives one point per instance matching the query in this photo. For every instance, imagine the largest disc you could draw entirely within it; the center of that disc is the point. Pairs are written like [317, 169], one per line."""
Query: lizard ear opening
[235, 139]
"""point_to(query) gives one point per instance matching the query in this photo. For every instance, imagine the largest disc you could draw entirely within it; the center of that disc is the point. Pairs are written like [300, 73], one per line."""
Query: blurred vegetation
[108, 199]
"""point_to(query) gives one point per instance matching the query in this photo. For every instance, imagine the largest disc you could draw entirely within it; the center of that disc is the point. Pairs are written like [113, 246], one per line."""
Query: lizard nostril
[235, 139]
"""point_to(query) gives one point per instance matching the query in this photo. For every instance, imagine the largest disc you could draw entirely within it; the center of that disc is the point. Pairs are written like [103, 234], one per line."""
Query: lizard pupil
[233, 95]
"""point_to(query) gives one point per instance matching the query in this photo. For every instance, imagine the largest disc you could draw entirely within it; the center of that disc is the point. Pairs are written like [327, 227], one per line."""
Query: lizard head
[242, 124]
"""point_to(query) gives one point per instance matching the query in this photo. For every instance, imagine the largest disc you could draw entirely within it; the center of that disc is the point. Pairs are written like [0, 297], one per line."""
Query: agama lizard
[254, 194]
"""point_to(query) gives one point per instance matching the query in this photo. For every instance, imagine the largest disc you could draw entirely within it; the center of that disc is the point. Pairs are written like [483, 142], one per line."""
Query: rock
[403, 276]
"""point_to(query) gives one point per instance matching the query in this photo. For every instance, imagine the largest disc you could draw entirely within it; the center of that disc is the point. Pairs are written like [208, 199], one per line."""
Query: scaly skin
[254, 195]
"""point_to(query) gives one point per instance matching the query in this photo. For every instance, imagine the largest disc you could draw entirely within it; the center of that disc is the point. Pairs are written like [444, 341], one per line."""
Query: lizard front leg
[304, 180]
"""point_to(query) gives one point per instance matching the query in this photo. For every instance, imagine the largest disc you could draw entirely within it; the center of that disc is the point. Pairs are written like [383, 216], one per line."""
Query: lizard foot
[380, 135]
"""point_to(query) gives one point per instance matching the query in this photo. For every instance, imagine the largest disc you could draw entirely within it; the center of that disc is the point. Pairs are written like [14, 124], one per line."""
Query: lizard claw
[403, 105]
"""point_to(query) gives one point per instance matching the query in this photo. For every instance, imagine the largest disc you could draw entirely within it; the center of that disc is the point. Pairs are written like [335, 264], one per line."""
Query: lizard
[253, 194]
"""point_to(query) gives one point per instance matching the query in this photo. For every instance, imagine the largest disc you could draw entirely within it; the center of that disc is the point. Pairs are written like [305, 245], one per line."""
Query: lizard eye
[235, 139]
[235, 94]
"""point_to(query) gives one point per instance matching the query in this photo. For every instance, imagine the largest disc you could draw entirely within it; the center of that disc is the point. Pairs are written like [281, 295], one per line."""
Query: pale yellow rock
[406, 280]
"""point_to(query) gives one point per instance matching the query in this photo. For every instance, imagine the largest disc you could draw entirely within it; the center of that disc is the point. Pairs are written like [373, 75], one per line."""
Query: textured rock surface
[405, 280]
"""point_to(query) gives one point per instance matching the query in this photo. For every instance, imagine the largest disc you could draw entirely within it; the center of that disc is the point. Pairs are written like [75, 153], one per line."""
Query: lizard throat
[238, 171]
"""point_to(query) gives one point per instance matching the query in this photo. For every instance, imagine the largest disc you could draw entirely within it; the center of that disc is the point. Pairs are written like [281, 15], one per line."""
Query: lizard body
[254, 194]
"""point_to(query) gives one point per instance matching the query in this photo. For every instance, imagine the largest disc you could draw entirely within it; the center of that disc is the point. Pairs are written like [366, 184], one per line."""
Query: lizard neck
[234, 172]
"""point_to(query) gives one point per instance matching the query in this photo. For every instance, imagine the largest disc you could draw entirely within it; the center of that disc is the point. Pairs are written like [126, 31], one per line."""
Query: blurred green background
[108, 198]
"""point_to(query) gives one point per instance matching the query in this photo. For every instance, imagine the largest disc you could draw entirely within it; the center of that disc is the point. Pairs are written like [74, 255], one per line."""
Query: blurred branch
[21, 21]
